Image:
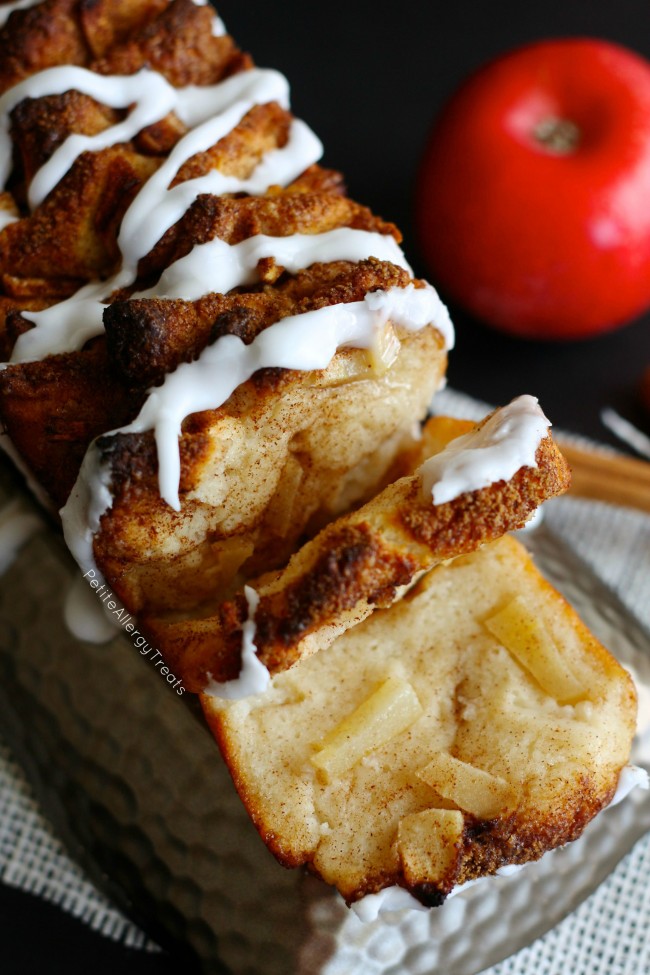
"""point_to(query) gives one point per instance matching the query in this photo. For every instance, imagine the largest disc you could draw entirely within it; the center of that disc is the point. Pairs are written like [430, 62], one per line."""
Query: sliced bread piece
[357, 563]
[475, 723]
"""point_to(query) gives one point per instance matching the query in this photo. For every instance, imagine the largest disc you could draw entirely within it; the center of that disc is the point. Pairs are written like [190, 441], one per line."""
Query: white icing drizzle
[85, 616]
[154, 98]
[6, 217]
[18, 523]
[254, 677]
[307, 341]
[65, 326]
[218, 27]
[210, 111]
[494, 452]
[631, 777]
[218, 267]
[89, 499]
[394, 898]
[9, 8]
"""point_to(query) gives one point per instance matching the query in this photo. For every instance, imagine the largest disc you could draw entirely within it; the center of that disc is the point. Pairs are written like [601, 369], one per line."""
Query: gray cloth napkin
[606, 935]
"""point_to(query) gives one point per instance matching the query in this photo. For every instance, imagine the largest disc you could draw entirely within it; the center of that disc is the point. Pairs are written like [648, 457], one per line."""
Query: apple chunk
[389, 711]
[524, 635]
[384, 350]
[472, 789]
[428, 844]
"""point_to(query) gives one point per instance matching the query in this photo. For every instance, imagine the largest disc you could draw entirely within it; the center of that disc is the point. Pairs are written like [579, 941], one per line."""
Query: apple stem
[558, 135]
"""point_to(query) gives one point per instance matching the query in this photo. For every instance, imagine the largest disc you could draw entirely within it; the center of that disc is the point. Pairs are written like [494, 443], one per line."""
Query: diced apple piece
[389, 711]
[349, 366]
[524, 635]
[472, 789]
[428, 844]
[384, 350]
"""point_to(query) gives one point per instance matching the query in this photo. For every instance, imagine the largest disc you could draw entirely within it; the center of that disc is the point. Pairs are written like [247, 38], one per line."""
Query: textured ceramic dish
[134, 783]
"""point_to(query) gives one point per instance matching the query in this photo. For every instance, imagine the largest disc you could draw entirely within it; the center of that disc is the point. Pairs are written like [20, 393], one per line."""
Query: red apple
[533, 197]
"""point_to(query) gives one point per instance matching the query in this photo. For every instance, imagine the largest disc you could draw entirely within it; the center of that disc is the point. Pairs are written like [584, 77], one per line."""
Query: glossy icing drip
[89, 499]
[218, 267]
[6, 218]
[207, 382]
[7, 447]
[631, 777]
[304, 342]
[85, 616]
[493, 452]
[389, 899]
[211, 112]
[254, 677]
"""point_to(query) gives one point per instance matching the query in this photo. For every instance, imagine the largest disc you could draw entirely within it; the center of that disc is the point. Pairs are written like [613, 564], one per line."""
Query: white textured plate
[133, 781]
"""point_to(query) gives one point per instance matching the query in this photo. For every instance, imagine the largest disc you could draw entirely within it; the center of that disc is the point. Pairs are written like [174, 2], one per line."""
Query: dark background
[370, 84]
[369, 80]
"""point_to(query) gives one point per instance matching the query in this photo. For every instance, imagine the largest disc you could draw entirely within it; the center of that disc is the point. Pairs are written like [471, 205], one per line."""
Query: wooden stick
[607, 477]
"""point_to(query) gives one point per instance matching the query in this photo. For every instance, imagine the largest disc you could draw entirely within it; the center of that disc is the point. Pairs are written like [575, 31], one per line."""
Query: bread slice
[475, 723]
[284, 455]
[356, 563]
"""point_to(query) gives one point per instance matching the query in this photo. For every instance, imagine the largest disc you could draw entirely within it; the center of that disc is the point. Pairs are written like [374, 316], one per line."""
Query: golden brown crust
[179, 44]
[108, 23]
[484, 847]
[54, 408]
[263, 129]
[355, 564]
[145, 339]
[148, 338]
[72, 236]
[311, 205]
[41, 37]
[174, 38]
[40, 125]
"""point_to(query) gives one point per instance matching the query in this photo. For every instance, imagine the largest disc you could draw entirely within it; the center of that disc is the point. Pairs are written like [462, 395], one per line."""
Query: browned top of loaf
[52, 409]
[117, 37]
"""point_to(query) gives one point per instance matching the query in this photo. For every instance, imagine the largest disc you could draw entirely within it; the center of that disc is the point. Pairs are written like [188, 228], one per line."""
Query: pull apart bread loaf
[218, 367]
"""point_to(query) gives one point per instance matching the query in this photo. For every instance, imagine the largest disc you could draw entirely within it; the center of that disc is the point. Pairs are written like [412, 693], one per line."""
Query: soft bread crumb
[480, 706]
